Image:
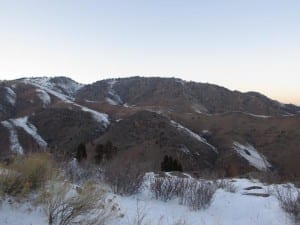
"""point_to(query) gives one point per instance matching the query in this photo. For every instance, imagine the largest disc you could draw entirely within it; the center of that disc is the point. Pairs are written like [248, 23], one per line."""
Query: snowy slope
[61, 85]
[226, 209]
[44, 85]
[113, 98]
[44, 96]
[15, 145]
[194, 135]
[11, 96]
[252, 156]
[28, 127]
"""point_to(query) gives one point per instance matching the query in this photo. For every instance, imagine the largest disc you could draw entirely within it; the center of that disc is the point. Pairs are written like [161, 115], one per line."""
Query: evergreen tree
[169, 164]
[81, 152]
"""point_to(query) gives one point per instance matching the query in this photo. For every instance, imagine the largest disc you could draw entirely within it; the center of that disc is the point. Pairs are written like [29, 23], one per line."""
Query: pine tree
[169, 164]
[81, 152]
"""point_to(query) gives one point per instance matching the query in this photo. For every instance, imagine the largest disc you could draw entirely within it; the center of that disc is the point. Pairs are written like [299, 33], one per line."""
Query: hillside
[204, 126]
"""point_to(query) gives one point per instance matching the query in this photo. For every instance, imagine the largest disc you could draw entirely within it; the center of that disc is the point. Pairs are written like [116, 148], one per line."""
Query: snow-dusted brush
[88, 204]
[196, 194]
[289, 199]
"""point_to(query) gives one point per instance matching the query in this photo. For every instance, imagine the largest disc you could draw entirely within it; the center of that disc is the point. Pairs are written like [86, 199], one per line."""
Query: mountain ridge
[160, 115]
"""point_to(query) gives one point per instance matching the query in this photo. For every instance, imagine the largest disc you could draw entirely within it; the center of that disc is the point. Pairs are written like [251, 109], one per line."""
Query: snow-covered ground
[226, 209]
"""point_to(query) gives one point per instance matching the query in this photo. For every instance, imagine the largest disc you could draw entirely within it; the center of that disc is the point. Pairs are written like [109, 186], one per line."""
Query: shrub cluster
[197, 194]
[289, 199]
[124, 177]
[65, 204]
[25, 174]
[104, 151]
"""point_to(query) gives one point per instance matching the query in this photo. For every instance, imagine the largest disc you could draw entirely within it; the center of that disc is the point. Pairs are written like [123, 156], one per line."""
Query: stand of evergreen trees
[169, 164]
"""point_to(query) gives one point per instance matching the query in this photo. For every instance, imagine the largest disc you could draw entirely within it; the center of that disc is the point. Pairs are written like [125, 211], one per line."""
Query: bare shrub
[81, 172]
[25, 174]
[289, 199]
[164, 188]
[86, 205]
[200, 195]
[225, 185]
[196, 194]
[124, 177]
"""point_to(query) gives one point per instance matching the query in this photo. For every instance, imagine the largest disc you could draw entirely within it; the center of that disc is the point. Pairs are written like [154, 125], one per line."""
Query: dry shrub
[196, 194]
[289, 199]
[165, 188]
[65, 204]
[226, 185]
[200, 195]
[26, 174]
[81, 172]
[124, 177]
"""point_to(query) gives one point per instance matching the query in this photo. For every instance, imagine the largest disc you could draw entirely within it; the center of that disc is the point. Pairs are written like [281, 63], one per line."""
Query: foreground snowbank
[226, 209]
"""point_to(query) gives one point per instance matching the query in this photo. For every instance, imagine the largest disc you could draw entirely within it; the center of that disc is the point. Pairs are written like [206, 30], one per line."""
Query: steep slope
[39, 113]
[275, 138]
[202, 125]
[148, 136]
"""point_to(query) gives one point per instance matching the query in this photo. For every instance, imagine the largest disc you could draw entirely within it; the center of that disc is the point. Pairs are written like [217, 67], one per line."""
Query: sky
[240, 44]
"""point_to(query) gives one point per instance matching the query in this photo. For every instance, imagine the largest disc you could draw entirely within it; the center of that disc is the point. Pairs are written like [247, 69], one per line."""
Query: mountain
[178, 95]
[204, 126]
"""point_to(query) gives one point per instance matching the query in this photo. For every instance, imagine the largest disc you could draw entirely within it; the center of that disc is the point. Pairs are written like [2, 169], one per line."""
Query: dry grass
[66, 204]
[26, 174]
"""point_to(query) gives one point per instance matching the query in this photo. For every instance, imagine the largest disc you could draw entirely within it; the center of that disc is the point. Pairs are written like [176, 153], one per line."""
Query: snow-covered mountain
[203, 125]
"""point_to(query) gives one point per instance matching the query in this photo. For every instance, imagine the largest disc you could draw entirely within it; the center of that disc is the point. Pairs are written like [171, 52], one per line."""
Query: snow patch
[180, 81]
[44, 96]
[58, 84]
[99, 117]
[111, 101]
[258, 116]
[252, 156]
[185, 150]
[10, 96]
[15, 145]
[30, 129]
[113, 98]
[194, 135]
[200, 109]
[206, 132]
[15, 213]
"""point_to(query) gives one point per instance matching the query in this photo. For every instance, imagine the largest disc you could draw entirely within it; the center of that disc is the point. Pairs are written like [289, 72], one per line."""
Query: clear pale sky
[246, 45]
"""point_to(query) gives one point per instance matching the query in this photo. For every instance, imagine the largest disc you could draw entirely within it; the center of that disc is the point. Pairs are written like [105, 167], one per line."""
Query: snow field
[226, 209]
